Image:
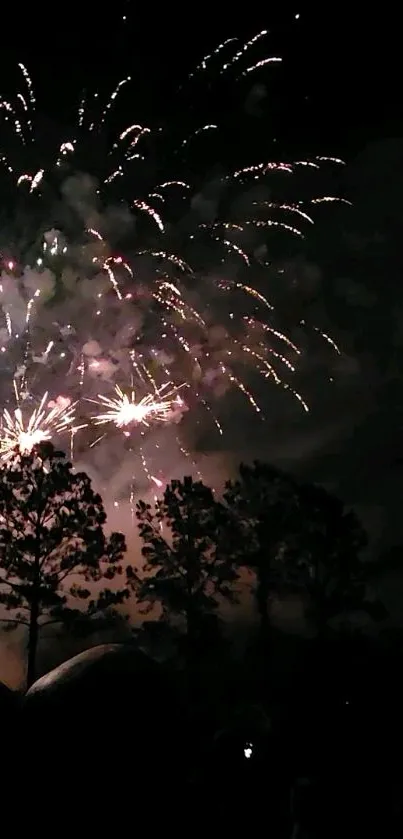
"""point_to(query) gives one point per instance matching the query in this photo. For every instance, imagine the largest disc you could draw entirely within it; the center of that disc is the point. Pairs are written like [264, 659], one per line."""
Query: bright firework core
[123, 410]
[45, 421]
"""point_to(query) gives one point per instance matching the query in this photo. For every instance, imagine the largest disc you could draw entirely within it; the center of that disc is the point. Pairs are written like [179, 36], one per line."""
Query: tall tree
[328, 561]
[52, 545]
[188, 563]
[265, 502]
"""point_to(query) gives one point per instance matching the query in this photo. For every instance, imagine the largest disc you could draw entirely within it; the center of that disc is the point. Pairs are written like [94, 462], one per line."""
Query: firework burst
[22, 435]
[170, 284]
[124, 409]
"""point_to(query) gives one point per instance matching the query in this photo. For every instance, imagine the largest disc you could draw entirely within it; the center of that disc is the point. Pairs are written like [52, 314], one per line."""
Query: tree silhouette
[265, 502]
[188, 566]
[328, 561]
[52, 540]
[298, 535]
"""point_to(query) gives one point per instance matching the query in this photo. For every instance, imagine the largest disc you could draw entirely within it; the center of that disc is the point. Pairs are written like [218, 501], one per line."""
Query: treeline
[58, 567]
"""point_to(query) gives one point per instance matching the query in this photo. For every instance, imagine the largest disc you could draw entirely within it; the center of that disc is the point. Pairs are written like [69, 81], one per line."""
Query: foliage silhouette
[188, 567]
[328, 561]
[298, 535]
[52, 540]
[265, 502]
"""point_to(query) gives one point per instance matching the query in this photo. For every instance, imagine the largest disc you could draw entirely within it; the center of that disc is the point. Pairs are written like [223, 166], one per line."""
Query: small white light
[248, 751]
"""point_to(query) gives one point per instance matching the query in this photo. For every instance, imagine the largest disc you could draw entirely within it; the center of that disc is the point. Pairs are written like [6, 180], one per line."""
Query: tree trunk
[32, 643]
[320, 613]
[262, 593]
[320, 624]
[191, 665]
[191, 628]
[262, 603]
[33, 627]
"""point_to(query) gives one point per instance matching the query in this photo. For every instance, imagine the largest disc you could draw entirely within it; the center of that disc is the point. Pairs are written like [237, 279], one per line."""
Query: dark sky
[341, 69]
[337, 92]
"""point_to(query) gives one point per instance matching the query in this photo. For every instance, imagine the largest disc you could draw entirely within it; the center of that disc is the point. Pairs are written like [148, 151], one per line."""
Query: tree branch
[14, 586]
[14, 620]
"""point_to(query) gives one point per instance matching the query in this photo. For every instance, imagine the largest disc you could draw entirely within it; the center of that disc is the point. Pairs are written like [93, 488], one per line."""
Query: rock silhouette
[109, 706]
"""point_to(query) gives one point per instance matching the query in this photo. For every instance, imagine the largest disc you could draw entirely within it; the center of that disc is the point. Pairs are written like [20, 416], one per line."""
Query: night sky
[341, 71]
[336, 93]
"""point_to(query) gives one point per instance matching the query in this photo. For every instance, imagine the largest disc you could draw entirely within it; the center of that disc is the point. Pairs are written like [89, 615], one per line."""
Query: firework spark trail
[91, 335]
